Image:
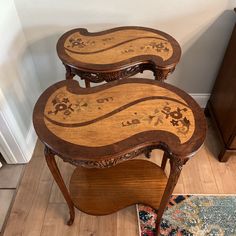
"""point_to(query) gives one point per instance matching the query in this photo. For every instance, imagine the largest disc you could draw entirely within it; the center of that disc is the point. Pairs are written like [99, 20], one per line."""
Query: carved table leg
[69, 74]
[164, 160]
[50, 159]
[148, 154]
[87, 84]
[161, 75]
[176, 164]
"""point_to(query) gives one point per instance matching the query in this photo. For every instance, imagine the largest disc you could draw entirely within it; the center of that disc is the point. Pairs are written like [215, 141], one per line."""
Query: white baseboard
[201, 98]
[15, 147]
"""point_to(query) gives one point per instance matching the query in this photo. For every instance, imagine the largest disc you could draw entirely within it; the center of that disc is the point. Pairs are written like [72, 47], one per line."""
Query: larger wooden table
[117, 53]
[101, 129]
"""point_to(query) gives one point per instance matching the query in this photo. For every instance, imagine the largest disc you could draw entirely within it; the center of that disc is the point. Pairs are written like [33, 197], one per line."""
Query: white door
[11, 146]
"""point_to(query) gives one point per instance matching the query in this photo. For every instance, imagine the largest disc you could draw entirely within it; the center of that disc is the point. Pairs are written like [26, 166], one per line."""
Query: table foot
[70, 221]
[50, 159]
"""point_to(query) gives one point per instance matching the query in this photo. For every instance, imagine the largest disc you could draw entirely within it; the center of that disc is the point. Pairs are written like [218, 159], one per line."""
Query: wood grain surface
[117, 48]
[111, 120]
[104, 191]
[88, 119]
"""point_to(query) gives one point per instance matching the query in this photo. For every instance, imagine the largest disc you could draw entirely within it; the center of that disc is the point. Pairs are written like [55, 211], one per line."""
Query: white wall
[201, 27]
[19, 87]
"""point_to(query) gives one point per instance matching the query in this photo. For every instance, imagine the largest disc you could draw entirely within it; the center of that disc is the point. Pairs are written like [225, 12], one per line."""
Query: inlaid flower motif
[77, 42]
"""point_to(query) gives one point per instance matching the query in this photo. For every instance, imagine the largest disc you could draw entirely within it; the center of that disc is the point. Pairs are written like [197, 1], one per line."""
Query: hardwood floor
[6, 196]
[9, 180]
[39, 208]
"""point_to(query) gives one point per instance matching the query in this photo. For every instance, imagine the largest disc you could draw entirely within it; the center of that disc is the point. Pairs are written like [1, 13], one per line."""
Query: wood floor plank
[54, 223]
[206, 174]
[127, 222]
[232, 159]
[32, 200]
[107, 225]
[191, 177]
[231, 164]
[224, 177]
[87, 225]
[40, 203]
[10, 175]
[6, 196]
[179, 188]
[38, 150]
[25, 198]
[223, 174]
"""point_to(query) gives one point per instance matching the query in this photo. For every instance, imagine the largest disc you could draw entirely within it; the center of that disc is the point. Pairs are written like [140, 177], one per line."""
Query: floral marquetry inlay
[126, 110]
[117, 46]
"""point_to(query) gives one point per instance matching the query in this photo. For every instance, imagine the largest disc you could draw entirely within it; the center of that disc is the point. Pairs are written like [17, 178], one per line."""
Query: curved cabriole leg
[69, 74]
[148, 154]
[161, 74]
[176, 164]
[50, 159]
[164, 160]
[87, 83]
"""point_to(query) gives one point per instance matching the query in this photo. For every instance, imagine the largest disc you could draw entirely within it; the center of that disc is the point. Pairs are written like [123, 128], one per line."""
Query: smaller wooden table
[117, 53]
[101, 129]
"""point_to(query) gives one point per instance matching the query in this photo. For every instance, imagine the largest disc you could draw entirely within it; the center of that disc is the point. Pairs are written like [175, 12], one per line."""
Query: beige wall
[201, 27]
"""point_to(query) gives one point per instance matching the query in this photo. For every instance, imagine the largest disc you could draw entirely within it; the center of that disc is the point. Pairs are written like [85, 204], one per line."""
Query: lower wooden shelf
[104, 191]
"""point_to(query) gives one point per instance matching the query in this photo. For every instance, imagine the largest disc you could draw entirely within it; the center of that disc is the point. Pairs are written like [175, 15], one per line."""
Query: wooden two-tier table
[102, 129]
[117, 53]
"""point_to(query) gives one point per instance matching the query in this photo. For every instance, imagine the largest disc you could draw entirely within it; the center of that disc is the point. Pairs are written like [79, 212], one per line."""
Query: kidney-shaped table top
[116, 118]
[118, 48]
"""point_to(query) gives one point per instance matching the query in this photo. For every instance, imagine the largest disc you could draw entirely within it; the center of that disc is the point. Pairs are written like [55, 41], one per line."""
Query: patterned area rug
[192, 215]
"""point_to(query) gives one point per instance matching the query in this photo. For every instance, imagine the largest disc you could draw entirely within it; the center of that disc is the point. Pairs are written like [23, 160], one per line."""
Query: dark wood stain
[109, 170]
[93, 190]
[123, 69]
[222, 103]
[118, 156]
[165, 140]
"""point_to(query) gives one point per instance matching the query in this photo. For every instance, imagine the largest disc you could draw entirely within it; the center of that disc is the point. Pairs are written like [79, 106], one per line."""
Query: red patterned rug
[188, 215]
